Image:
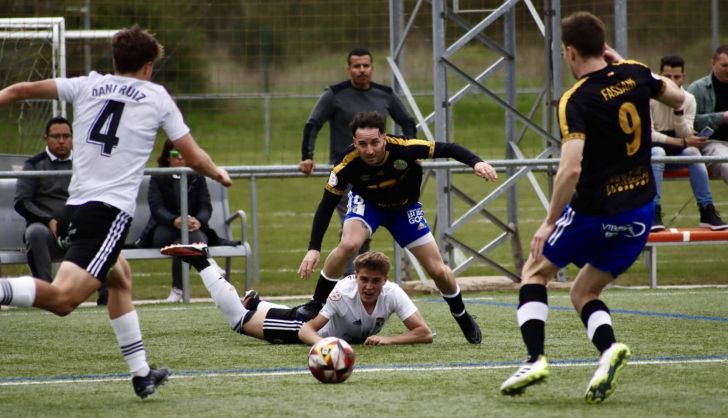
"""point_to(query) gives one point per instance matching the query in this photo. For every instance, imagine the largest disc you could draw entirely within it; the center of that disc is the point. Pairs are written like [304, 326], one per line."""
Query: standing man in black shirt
[602, 204]
[338, 104]
[384, 175]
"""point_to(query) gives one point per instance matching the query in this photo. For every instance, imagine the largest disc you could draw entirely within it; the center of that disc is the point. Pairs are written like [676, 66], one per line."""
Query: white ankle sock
[18, 291]
[129, 336]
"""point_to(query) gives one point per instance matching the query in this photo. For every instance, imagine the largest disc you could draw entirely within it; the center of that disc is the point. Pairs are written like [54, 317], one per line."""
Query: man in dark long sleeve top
[339, 103]
[385, 176]
[40, 199]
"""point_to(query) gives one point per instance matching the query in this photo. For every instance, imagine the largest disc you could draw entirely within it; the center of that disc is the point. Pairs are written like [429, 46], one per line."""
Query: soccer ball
[331, 360]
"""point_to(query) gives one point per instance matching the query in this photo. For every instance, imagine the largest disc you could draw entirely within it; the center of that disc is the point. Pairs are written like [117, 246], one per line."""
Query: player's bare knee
[119, 284]
[64, 310]
[120, 277]
[349, 248]
[580, 296]
[64, 306]
[439, 272]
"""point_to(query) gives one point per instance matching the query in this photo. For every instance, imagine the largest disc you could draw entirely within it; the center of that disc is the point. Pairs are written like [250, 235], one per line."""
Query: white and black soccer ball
[331, 360]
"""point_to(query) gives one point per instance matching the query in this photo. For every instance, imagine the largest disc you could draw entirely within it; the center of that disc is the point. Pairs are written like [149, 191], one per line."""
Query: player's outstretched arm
[321, 219]
[417, 333]
[672, 95]
[44, 89]
[465, 156]
[197, 159]
[308, 333]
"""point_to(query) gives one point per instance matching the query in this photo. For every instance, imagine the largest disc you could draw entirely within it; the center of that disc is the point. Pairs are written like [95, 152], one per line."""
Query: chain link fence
[246, 73]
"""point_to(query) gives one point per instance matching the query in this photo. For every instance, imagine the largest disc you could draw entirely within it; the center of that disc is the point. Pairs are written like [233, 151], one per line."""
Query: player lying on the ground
[355, 311]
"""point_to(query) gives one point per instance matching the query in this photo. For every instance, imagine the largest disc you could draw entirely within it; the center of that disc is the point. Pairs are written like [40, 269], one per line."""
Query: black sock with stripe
[598, 322]
[532, 314]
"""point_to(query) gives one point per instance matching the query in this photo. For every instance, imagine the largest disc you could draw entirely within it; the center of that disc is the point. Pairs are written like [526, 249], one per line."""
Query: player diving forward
[355, 311]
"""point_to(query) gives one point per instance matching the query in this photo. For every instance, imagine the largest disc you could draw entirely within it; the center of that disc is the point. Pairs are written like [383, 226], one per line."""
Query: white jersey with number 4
[350, 321]
[115, 124]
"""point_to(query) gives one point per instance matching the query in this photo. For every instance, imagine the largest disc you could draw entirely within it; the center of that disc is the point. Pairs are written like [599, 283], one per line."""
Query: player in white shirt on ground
[359, 305]
[355, 311]
[116, 119]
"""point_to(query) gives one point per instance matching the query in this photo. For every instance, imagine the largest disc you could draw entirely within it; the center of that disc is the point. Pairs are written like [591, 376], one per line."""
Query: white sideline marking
[6, 310]
[423, 368]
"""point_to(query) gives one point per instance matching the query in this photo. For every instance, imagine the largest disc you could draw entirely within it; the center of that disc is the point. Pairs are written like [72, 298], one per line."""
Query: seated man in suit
[39, 199]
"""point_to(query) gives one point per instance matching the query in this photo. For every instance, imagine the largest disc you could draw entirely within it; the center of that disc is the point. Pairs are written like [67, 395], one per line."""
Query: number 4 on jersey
[104, 130]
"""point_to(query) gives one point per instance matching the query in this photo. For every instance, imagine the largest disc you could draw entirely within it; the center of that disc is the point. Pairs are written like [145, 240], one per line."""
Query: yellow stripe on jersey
[346, 160]
[565, 134]
[573, 135]
[334, 190]
[383, 185]
[412, 142]
[629, 62]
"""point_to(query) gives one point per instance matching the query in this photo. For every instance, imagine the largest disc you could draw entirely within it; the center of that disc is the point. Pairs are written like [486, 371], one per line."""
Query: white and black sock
[129, 336]
[533, 311]
[225, 296]
[455, 302]
[598, 322]
[17, 291]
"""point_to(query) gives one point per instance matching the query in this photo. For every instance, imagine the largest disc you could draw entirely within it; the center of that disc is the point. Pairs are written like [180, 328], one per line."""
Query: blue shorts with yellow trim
[609, 243]
[407, 225]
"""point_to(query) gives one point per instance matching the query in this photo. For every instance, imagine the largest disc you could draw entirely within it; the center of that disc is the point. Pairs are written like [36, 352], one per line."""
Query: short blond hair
[372, 260]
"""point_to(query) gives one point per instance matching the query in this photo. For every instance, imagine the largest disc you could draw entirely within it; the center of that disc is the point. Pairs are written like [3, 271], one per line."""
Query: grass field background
[72, 366]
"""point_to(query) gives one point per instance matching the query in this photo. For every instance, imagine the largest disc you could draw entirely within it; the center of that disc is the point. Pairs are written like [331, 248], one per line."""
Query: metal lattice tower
[444, 13]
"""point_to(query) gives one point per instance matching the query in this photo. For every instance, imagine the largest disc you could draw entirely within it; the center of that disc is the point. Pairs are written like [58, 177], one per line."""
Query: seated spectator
[40, 199]
[711, 97]
[165, 223]
[672, 134]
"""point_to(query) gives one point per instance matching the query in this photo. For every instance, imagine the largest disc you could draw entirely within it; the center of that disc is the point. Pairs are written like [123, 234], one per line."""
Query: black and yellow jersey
[392, 185]
[609, 110]
[396, 182]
